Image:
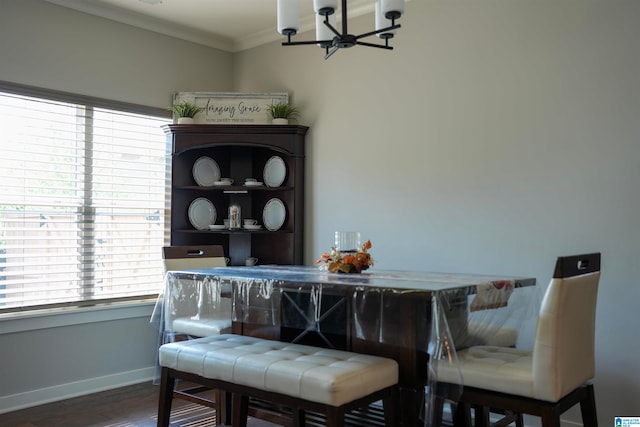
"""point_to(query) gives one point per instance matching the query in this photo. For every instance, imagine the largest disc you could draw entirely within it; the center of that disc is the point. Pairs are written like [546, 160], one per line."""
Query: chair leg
[438, 410]
[390, 405]
[508, 418]
[481, 416]
[588, 408]
[167, 382]
[239, 410]
[549, 417]
[462, 415]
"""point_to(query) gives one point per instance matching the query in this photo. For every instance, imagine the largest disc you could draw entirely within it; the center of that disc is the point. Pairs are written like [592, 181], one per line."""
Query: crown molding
[145, 22]
[267, 35]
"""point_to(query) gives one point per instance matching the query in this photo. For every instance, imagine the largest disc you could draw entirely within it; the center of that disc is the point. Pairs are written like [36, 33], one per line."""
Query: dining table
[417, 318]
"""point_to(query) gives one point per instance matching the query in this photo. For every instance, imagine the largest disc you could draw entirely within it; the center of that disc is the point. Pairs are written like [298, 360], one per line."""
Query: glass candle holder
[347, 241]
[235, 217]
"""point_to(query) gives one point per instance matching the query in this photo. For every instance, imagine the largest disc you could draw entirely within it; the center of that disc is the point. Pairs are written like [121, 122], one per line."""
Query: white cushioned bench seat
[324, 376]
[332, 377]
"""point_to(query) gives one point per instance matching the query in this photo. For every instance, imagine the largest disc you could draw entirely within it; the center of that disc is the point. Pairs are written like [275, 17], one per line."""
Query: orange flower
[324, 258]
[367, 244]
[348, 259]
[335, 266]
[363, 258]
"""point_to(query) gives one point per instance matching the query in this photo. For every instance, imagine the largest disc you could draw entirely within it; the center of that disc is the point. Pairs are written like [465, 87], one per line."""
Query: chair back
[564, 351]
[193, 257]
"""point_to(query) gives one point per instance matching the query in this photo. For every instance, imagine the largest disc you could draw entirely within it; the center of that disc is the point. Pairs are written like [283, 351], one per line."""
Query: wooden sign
[232, 108]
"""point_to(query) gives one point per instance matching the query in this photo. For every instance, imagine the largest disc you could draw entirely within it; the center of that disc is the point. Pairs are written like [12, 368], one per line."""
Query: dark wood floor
[133, 406]
[136, 406]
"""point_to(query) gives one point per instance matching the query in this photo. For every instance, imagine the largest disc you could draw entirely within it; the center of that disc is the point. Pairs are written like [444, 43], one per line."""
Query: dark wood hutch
[240, 151]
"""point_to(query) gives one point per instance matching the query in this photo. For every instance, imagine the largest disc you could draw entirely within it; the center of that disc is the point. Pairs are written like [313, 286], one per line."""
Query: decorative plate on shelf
[206, 171]
[274, 214]
[275, 172]
[202, 213]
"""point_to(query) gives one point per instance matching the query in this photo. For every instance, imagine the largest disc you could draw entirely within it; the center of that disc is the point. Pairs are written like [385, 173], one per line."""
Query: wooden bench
[300, 377]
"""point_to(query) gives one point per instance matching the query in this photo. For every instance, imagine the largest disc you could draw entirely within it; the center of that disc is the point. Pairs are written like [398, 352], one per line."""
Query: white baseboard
[56, 393]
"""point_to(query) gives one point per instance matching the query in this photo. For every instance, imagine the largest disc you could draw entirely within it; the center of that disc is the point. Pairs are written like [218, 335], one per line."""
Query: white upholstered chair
[551, 378]
[185, 320]
[183, 316]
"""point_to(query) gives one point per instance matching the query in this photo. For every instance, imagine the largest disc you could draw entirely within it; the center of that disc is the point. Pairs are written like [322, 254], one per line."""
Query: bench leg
[299, 418]
[335, 417]
[223, 407]
[239, 410]
[167, 382]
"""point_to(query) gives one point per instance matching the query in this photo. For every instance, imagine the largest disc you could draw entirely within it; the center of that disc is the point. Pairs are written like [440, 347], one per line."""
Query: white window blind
[83, 204]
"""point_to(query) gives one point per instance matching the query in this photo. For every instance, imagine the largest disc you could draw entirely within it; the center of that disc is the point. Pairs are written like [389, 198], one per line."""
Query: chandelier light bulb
[383, 22]
[324, 7]
[392, 9]
[288, 17]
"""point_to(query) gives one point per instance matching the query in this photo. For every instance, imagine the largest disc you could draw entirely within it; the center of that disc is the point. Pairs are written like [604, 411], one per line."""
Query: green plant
[186, 109]
[282, 111]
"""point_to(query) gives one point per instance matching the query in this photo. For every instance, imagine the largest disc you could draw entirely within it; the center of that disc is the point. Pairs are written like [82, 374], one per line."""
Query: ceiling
[230, 25]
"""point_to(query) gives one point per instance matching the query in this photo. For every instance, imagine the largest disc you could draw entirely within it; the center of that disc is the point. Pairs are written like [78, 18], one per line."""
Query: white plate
[206, 171]
[274, 172]
[253, 184]
[274, 214]
[217, 227]
[252, 227]
[202, 213]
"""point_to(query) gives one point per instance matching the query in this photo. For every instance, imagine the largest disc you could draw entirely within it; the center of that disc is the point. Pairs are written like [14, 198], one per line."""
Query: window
[84, 199]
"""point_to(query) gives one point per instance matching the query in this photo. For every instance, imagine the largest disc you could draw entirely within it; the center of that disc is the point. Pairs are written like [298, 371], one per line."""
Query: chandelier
[327, 34]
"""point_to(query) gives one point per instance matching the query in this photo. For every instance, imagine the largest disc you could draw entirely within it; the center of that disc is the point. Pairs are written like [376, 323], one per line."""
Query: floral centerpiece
[350, 262]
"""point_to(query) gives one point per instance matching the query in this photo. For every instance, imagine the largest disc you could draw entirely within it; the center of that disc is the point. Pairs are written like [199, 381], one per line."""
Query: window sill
[68, 316]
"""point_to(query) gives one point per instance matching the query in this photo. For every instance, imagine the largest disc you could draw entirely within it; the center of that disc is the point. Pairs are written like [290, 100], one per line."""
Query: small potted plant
[185, 112]
[281, 113]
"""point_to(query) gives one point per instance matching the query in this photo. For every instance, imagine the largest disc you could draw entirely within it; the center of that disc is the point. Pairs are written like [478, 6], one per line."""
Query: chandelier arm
[382, 30]
[306, 42]
[380, 46]
[331, 52]
[331, 27]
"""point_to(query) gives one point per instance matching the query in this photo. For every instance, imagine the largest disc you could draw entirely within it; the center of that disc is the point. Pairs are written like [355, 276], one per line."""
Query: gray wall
[49, 46]
[497, 135]
[44, 358]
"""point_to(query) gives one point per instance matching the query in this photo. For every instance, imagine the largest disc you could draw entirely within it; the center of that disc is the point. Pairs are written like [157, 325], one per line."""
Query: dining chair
[545, 381]
[188, 320]
[193, 316]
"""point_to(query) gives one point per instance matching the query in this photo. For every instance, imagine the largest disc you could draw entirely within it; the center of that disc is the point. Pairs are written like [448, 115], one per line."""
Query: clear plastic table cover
[429, 313]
